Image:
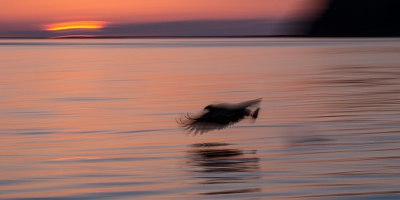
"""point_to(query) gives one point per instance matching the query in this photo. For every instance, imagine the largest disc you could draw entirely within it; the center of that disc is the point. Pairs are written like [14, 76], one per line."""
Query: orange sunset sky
[44, 18]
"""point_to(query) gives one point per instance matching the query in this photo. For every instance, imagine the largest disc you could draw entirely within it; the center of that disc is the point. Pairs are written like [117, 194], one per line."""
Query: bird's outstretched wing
[205, 123]
[241, 105]
[249, 103]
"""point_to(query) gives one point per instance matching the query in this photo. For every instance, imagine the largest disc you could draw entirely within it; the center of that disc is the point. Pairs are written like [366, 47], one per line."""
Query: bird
[219, 116]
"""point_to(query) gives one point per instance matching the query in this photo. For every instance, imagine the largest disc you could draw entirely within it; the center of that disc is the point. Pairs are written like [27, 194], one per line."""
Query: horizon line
[210, 36]
[161, 37]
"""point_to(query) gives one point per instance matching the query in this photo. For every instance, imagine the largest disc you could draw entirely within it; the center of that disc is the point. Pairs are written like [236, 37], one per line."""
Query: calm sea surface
[95, 119]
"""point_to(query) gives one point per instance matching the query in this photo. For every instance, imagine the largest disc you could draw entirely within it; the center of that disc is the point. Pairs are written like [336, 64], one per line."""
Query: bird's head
[208, 108]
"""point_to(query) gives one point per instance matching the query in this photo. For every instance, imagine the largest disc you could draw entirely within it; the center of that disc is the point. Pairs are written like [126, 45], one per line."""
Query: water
[95, 119]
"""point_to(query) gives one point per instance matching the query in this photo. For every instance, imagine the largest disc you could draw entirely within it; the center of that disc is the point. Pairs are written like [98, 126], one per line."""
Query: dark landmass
[358, 18]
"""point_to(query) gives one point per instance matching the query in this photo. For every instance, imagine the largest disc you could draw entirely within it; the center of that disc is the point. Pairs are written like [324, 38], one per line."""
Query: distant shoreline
[155, 37]
[193, 37]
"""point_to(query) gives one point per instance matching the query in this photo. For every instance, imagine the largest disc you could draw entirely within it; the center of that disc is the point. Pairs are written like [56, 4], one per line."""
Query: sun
[75, 25]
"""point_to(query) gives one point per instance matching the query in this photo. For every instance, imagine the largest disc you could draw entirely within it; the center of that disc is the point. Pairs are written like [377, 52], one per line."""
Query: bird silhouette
[219, 116]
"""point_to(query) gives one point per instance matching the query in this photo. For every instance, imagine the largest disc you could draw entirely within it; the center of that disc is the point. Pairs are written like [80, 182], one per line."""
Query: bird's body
[220, 116]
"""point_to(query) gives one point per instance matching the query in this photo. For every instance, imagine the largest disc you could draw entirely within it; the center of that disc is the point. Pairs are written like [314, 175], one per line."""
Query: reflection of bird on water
[220, 116]
[217, 164]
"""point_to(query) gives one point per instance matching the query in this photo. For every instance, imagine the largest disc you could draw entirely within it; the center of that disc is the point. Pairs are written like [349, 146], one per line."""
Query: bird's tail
[255, 113]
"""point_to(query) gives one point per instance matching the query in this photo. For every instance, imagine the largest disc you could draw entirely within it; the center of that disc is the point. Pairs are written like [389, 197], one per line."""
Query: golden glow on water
[75, 25]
